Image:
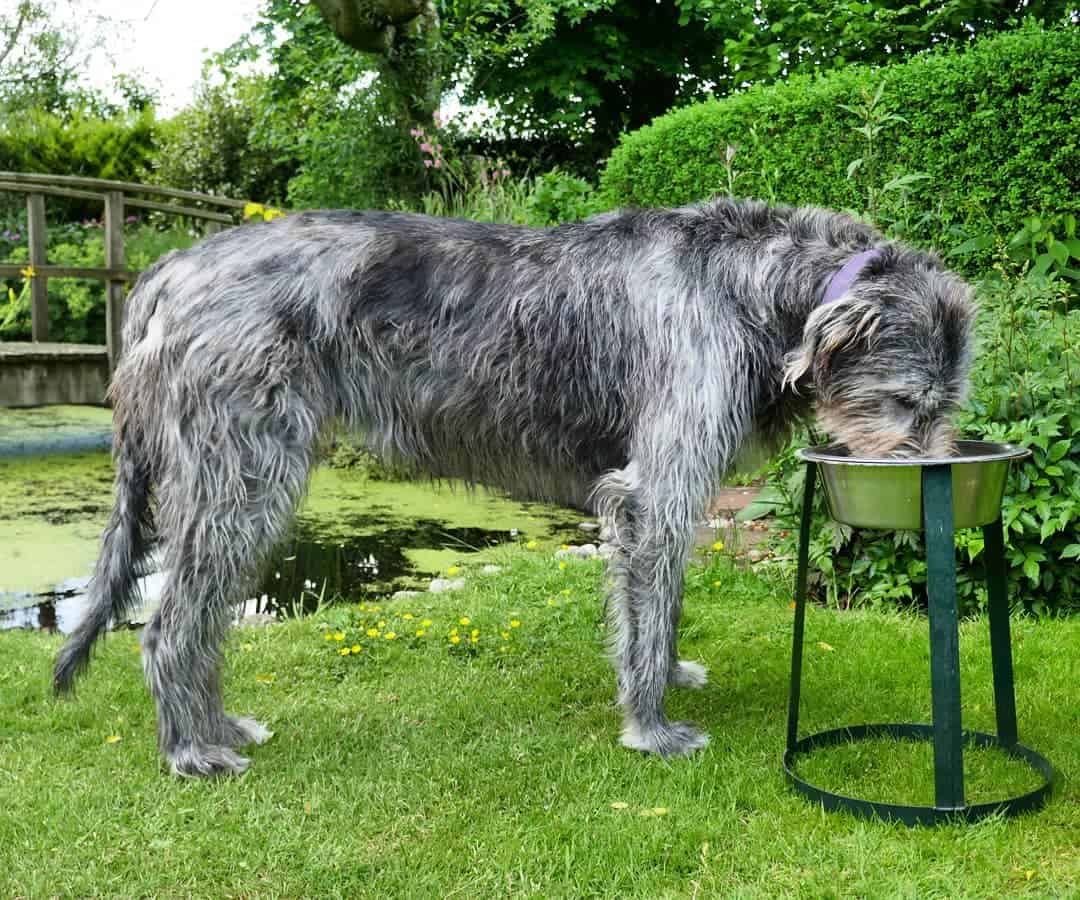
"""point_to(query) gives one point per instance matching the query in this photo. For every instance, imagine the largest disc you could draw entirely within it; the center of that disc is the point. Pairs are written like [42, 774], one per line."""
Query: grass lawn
[419, 767]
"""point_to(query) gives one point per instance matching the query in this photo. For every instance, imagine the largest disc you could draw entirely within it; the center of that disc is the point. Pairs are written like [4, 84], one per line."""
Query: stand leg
[1000, 641]
[800, 605]
[944, 636]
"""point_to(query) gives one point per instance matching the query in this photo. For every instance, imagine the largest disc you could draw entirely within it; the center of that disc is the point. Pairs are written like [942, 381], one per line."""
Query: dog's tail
[114, 586]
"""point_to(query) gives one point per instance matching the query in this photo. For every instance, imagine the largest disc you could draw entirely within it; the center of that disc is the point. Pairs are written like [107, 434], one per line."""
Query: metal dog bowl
[887, 493]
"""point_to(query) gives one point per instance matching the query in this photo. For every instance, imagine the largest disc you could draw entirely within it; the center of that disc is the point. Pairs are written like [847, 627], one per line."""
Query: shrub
[992, 127]
[1024, 391]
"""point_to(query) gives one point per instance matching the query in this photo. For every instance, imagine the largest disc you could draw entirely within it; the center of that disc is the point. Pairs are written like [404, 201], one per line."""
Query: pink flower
[438, 164]
[416, 132]
[427, 163]
[426, 147]
[438, 119]
[505, 173]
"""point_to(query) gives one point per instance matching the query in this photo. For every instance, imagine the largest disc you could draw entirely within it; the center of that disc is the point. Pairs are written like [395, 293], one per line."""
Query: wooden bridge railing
[117, 196]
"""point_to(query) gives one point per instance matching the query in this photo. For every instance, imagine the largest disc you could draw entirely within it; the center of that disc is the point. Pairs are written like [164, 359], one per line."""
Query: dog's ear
[829, 328]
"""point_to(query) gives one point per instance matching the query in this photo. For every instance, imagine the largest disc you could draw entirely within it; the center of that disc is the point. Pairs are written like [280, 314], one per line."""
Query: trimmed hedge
[995, 127]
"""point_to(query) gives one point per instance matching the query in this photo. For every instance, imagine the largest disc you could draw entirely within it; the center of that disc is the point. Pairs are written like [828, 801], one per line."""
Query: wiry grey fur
[620, 363]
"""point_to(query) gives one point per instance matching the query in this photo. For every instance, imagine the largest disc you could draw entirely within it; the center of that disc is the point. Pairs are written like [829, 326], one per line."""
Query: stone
[441, 585]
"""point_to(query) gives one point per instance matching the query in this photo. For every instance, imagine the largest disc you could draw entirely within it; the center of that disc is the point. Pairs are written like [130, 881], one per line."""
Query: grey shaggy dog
[619, 364]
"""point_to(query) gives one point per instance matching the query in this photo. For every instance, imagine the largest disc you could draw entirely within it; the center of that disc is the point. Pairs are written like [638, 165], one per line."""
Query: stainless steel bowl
[887, 493]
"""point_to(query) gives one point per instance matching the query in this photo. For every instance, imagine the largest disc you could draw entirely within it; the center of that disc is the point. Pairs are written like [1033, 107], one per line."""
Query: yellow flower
[373, 632]
[514, 623]
[253, 209]
[562, 565]
[475, 639]
[716, 584]
[270, 213]
[344, 651]
[265, 679]
[339, 636]
[505, 635]
[328, 636]
[464, 620]
[552, 601]
[475, 632]
[390, 635]
[454, 639]
[565, 547]
[28, 272]
[363, 607]
[376, 609]
[356, 648]
[420, 632]
[382, 623]
[112, 739]
[718, 546]
[453, 570]
[408, 617]
[427, 623]
[531, 545]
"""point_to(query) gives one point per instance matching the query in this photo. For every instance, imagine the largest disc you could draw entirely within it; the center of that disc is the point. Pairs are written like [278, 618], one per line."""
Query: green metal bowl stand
[946, 732]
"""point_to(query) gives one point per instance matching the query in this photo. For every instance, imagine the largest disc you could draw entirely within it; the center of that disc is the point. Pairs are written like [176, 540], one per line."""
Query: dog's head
[888, 360]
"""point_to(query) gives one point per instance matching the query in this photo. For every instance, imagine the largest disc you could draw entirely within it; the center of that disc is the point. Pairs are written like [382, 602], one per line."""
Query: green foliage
[558, 197]
[1024, 391]
[992, 128]
[208, 146]
[77, 306]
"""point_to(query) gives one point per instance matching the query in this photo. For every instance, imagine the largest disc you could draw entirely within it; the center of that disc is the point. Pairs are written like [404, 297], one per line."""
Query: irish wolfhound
[618, 364]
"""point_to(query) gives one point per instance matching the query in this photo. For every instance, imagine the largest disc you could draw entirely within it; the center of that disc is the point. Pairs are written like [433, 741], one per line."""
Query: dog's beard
[877, 435]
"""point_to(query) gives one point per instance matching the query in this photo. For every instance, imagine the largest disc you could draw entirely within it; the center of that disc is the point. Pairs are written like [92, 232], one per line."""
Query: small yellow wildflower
[565, 547]
[552, 601]
[408, 617]
[339, 635]
[420, 632]
[382, 623]
[28, 272]
[454, 639]
[475, 639]
[453, 632]
[562, 565]
[476, 632]
[427, 623]
[718, 546]
[464, 620]
[514, 623]
[453, 570]
[271, 213]
[390, 635]
[329, 636]
[253, 209]
[373, 632]
[716, 584]
[356, 648]
[531, 545]
[344, 651]
[505, 635]
[112, 739]
[363, 607]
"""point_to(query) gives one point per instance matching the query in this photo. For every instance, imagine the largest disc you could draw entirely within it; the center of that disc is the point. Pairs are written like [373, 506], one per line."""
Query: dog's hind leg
[217, 527]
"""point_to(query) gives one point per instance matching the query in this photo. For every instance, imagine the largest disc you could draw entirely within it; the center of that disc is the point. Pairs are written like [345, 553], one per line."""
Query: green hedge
[995, 127]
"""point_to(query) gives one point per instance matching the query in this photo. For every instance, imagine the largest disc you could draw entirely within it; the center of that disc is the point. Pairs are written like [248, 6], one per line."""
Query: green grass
[418, 768]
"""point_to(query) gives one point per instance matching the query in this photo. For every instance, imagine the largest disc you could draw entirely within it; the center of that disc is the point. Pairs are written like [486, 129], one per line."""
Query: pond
[353, 536]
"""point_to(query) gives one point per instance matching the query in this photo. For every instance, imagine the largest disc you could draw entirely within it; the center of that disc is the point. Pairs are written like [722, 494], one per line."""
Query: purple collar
[841, 282]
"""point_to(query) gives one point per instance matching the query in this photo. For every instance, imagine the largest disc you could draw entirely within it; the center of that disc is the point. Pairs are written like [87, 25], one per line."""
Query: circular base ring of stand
[911, 814]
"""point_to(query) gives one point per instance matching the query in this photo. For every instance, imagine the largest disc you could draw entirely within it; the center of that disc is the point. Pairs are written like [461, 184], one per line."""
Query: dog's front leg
[653, 536]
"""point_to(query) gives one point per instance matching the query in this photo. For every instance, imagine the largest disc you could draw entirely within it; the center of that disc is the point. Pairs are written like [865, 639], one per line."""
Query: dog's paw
[665, 739]
[243, 730]
[206, 761]
[688, 674]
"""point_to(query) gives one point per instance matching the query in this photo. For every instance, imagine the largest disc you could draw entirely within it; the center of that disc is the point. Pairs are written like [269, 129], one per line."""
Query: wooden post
[39, 292]
[114, 259]
[211, 227]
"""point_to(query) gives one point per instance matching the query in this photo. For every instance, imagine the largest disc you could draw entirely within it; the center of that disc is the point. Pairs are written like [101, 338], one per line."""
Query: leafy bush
[77, 306]
[208, 146]
[118, 148]
[557, 197]
[1024, 391]
[992, 127]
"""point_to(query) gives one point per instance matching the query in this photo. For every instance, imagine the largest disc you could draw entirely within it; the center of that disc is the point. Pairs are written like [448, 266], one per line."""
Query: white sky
[167, 40]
